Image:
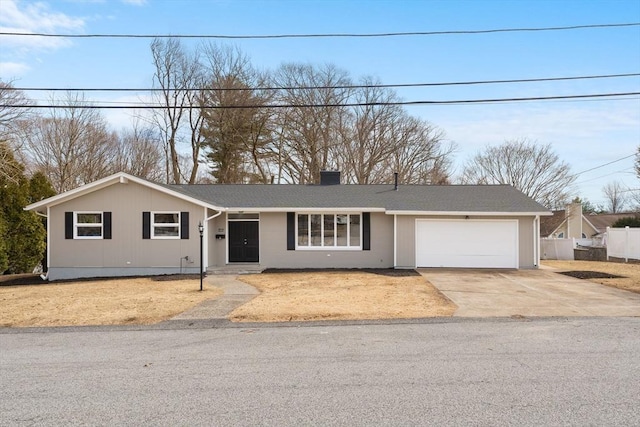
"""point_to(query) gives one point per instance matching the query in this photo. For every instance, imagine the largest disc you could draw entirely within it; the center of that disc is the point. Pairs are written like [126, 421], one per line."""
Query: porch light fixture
[201, 230]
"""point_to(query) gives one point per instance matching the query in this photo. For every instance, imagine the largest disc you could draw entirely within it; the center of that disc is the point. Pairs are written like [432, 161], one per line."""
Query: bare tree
[72, 146]
[616, 197]
[12, 113]
[178, 76]
[308, 132]
[528, 166]
[139, 152]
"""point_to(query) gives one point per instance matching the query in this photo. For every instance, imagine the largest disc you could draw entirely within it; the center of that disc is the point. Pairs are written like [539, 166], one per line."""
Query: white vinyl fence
[623, 243]
[557, 248]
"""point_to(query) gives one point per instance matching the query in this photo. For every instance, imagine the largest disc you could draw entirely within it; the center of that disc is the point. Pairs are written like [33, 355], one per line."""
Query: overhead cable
[326, 35]
[333, 105]
[362, 86]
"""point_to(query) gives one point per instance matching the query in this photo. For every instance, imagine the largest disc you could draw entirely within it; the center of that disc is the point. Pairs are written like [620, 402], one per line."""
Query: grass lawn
[630, 280]
[341, 295]
[100, 302]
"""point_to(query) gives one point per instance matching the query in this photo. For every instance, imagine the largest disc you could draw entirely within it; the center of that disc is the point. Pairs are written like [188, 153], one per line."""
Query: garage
[467, 243]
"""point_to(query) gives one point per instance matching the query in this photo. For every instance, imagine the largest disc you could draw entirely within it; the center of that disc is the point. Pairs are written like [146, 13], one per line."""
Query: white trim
[76, 224]
[304, 210]
[153, 225]
[348, 247]
[536, 241]
[111, 180]
[466, 213]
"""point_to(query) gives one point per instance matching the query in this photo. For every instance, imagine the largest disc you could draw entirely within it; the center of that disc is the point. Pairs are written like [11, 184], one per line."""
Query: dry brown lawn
[100, 302]
[340, 295]
[630, 272]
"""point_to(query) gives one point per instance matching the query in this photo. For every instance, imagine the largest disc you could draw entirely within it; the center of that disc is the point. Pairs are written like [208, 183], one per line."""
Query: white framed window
[165, 225]
[339, 231]
[87, 225]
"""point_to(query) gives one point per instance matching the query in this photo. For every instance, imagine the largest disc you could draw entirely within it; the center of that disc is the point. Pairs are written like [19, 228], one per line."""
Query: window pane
[328, 230]
[166, 218]
[244, 216]
[166, 231]
[316, 230]
[354, 230]
[89, 231]
[341, 230]
[89, 218]
[303, 230]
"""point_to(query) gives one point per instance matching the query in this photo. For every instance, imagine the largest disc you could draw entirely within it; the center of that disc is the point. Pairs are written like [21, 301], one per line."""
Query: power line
[603, 165]
[347, 104]
[370, 86]
[328, 35]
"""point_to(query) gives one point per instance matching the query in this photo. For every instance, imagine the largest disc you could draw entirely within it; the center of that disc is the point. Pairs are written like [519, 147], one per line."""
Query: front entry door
[243, 241]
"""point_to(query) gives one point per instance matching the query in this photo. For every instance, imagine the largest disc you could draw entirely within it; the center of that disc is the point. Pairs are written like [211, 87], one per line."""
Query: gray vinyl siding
[126, 253]
[274, 253]
[406, 244]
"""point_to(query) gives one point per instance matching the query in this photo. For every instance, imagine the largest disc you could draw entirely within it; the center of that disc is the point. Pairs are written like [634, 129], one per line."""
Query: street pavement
[480, 372]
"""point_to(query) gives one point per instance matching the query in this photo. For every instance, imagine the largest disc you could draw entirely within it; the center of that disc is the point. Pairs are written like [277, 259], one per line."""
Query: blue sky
[586, 134]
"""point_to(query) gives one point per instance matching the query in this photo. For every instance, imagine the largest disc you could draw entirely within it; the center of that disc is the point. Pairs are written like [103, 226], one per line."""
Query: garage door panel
[467, 243]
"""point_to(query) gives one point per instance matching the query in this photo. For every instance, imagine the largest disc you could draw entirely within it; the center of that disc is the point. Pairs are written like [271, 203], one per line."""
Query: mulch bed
[35, 279]
[590, 275]
[391, 272]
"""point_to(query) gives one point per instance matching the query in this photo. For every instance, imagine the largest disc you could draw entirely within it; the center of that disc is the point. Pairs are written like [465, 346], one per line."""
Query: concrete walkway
[235, 294]
[504, 293]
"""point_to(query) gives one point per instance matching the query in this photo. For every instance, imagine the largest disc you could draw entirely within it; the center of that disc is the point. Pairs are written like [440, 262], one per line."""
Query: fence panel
[623, 243]
[561, 249]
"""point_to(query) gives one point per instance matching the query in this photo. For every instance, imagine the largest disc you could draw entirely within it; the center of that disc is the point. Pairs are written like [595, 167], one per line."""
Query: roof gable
[118, 178]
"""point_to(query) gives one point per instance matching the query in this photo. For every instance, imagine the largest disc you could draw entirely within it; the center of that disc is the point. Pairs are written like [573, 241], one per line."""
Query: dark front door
[243, 241]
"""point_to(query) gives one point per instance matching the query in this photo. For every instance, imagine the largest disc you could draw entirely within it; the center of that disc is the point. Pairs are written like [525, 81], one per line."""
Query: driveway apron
[504, 293]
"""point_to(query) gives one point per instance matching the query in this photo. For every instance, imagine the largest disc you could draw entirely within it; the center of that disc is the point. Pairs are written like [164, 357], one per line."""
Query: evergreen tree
[23, 235]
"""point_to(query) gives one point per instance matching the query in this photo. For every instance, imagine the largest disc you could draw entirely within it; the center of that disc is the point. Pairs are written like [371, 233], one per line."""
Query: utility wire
[371, 86]
[603, 165]
[327, 35]
[347, 104]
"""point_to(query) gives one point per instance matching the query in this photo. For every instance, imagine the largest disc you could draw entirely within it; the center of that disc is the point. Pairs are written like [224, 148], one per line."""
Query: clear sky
[586, 134]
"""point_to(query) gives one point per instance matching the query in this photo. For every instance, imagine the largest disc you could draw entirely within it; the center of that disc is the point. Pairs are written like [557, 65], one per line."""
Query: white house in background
[126, 226]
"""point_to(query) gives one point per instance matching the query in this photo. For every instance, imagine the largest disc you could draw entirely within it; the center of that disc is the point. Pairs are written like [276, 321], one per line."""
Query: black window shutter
[68, 225]
[366, 231]
[291, 231]
[184, 225]
[146, 225]
[106, 225]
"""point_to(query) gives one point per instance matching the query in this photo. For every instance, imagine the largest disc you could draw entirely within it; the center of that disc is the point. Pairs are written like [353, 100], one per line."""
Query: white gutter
[45, 276]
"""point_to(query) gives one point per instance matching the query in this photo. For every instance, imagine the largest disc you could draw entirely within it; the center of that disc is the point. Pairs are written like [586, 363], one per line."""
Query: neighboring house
[567, 224]
[572, 223]
[124, 226]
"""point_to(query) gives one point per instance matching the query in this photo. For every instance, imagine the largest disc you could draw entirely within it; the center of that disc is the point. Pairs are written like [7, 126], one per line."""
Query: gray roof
[427, 198]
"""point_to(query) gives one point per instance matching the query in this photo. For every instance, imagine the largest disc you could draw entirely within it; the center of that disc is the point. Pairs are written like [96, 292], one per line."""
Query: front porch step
[236, 269]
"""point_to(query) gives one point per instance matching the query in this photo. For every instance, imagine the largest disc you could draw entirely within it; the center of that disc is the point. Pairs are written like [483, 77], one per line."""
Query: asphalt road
[458, 372]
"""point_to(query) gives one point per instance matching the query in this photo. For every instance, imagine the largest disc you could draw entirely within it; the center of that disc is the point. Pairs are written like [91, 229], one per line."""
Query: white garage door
[467, 243]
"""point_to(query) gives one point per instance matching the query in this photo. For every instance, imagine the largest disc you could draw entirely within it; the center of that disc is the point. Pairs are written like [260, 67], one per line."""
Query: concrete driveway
[501, 293]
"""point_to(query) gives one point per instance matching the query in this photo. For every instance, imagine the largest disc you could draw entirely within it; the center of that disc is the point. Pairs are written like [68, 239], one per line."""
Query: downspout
[395, 240]
[536, 242]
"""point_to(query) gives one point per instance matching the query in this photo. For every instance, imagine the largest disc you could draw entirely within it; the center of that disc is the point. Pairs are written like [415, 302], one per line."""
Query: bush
[629, 221]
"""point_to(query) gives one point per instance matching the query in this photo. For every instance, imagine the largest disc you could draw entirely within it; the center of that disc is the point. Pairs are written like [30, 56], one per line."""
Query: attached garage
[467, 243]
